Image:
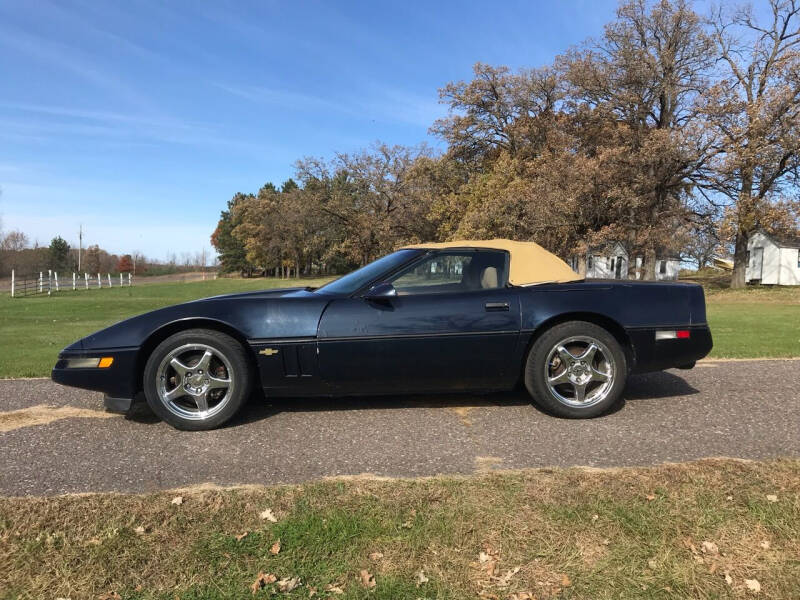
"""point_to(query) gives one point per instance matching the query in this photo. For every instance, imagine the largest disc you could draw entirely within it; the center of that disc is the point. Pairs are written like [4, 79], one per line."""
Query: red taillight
[682, 334]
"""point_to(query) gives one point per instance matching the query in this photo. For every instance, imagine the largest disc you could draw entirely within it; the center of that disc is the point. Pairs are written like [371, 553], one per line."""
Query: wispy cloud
[384, 104]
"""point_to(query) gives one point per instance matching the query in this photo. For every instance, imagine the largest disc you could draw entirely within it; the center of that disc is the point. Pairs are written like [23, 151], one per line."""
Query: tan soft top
[529, 264]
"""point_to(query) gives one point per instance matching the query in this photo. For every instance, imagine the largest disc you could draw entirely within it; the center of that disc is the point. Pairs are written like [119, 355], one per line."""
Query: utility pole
[80, 245]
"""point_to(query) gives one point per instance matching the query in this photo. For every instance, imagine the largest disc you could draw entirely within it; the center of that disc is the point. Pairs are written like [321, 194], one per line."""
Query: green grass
[751, 323]
[754, 330]
[625, 533]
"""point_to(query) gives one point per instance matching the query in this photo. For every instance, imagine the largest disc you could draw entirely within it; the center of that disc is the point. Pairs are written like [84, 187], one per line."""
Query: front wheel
[576, 370]
[197, 379]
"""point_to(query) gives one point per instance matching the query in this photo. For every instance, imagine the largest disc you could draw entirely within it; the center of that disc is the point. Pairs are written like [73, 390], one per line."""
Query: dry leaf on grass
[267, 515]
[420, 578]
[262, 580]
[709, 548]
[333, 588]
[753, 585]
[506, 578]
[595, 517]
[140, 530]
[376, 556]
[110, 596]
[241, 536]
[521, 596]
[770, 498]
[275, 548]
[312, 591]
[287, 584]
[367, 579]
[650, 497]
[765, 544]
[728, 578]
[177, 500]
[565, 581]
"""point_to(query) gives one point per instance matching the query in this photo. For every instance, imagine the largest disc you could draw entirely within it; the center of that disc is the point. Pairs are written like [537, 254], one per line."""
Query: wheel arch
[607, 323]
[165, 331]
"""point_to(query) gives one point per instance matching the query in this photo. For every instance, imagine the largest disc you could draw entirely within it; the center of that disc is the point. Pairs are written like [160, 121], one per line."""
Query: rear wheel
[197, 379]
[576, 370]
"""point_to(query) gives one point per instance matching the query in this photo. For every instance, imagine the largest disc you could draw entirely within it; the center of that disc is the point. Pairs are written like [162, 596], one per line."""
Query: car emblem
[269, 351]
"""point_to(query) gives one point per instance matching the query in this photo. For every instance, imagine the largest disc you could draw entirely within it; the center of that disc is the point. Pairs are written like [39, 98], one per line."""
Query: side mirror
[381, 291]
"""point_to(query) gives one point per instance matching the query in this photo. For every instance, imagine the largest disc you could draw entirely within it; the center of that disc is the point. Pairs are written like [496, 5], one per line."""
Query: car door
[453, 325]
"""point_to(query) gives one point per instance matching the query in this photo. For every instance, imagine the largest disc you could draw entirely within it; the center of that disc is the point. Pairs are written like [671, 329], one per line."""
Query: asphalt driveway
[747, 409]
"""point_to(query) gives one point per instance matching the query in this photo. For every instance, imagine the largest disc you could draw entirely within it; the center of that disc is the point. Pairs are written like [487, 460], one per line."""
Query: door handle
[495, 306]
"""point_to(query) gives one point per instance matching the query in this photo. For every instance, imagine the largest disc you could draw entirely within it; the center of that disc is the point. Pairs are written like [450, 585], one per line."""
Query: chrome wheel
[195, 381]
[580, 371]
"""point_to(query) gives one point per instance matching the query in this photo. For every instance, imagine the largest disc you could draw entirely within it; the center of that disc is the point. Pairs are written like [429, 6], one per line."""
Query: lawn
[709, 529]
[750, 323]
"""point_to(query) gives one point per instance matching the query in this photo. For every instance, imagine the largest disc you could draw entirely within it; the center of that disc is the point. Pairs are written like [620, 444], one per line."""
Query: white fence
[48, 283]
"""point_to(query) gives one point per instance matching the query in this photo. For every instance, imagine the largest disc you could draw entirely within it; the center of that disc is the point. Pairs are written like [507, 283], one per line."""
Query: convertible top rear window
[357, 279]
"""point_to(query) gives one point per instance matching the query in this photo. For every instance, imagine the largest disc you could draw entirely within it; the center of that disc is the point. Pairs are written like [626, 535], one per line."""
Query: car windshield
[351, 282]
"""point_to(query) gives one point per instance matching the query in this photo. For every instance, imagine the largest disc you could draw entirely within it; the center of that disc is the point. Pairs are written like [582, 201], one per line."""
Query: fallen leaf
[139, 530]
[709, 548]
[367, 579]
[765, 544]
[521, 596]
[752, 585]
[267, 515]
[770, 498]
[595, 517]
[262, 580]
[275, 548]
[376, 556]
[729, 498]
[650, 497]
[334, 589]
[728, 578]
[177, 500]
[487, 595]
[94, 541]
[565, 582]
[420, 578]
[312, 591]
[483, 557]
[287, 584]
[110, 596]
[506, 578]
[241, 536]
[652, 564]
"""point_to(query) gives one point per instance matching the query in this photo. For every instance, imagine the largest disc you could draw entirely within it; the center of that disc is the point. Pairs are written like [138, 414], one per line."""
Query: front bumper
[118, 381]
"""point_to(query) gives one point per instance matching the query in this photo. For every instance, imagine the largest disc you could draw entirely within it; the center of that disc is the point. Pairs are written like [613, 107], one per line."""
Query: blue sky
[140, 119]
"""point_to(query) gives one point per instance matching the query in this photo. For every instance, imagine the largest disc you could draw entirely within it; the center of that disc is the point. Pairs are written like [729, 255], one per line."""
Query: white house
[773, 259]
[667, 267]
[605, 262]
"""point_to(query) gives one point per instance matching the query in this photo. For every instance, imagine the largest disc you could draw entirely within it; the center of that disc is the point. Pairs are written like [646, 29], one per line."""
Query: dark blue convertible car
[472, 315]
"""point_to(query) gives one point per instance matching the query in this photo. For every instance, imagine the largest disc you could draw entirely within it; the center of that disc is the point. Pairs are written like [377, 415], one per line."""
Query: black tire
[228, 363]
[545, 362]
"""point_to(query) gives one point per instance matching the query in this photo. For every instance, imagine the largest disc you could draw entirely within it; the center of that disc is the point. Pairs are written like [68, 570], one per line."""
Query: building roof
[529, 264]
[784, 240]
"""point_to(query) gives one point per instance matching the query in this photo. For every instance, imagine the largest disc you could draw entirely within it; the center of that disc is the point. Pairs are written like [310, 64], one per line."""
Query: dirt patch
[42, 415]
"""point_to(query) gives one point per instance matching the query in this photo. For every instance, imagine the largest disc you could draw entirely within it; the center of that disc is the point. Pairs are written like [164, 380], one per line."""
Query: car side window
[454, 271]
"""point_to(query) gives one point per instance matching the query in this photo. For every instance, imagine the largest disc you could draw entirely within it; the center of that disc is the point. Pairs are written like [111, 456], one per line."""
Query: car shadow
[649, 386]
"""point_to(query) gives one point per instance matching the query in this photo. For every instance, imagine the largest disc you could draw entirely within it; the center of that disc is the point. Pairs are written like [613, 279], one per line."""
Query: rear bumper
[656, 355]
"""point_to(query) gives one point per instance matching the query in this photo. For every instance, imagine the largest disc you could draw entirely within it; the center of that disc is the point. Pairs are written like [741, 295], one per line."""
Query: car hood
[288, 312]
